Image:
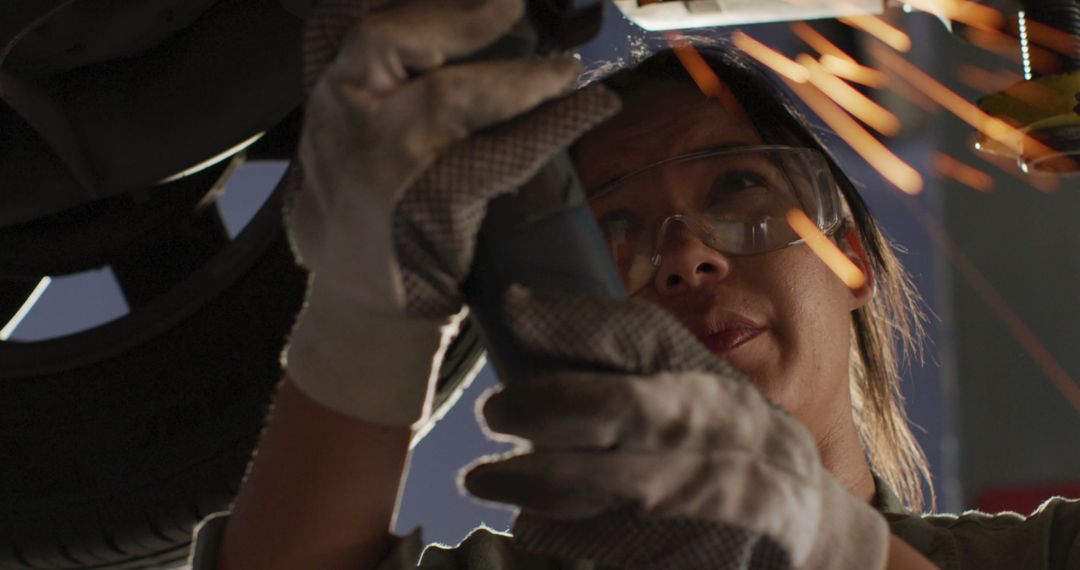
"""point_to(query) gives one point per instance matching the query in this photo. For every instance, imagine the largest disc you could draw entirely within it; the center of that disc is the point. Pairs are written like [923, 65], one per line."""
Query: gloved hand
[393, 193]
[660, 455]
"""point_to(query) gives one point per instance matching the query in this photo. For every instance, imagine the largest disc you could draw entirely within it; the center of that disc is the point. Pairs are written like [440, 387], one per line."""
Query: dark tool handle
[561, 251]
[543, 236]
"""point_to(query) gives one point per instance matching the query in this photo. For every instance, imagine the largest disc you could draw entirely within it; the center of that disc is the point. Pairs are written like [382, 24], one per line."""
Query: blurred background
[994, 252]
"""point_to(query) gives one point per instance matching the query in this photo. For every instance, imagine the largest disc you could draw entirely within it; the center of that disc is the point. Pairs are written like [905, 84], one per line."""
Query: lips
[729, 335]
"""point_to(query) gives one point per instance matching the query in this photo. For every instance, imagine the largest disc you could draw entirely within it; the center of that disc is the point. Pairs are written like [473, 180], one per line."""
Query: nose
[686, 262]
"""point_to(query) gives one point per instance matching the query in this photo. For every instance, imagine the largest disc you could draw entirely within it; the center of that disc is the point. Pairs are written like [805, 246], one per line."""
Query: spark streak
[948, 166]
[1050, 37]
[859, 105]
[986, 81]
[880, 29]
[993, 127]
[836, 60]
[966, 12]
[703, 75]
[854, 72]
[890, 166]
[826, 250]
[770, 58]
[1041, 60]
[818, 41]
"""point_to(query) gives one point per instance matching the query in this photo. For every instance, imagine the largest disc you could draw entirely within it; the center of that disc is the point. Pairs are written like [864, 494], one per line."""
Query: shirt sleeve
[1048, 539]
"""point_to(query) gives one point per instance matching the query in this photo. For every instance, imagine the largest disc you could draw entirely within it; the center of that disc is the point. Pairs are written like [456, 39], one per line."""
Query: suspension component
[1044, 106]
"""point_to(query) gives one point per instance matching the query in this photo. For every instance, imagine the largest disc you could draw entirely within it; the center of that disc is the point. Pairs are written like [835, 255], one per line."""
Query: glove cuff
[373, 367]
[850, 533]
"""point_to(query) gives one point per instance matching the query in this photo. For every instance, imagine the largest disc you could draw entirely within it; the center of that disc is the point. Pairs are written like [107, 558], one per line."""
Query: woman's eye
[735, 182]
[741, 196]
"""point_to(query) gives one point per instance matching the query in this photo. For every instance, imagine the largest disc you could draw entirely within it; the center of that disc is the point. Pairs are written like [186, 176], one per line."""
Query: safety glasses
[735, 200]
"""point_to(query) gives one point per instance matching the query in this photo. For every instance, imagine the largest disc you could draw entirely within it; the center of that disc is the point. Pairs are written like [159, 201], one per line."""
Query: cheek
[811, 331]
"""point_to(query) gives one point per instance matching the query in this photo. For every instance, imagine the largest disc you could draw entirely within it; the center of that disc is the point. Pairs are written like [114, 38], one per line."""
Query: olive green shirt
[1048, 539]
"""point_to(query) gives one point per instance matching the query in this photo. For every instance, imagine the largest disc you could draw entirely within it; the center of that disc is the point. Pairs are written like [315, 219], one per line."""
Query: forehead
[660, 120]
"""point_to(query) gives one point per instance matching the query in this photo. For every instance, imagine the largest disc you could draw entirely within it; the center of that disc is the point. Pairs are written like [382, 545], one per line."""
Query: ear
[851, 245]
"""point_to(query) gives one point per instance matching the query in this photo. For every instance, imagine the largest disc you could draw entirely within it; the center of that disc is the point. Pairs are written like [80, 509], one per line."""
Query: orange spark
[854, 72]
[836, 60]
[1008, 47]
[986, 81]
[825, 249]
[818, 41]
[880, 29]
[699, 70]
[971, 13]
[1047, 36]
[770, 58]
[859, 105]
[993, 127]
[914, 97]
[948, 166]
[896, 171]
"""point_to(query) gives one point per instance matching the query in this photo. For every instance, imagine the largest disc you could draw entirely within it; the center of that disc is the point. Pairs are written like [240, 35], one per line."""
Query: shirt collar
[885, 499]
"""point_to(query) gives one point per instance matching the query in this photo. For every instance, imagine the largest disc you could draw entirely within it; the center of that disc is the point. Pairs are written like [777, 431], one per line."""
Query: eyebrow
[589, 192]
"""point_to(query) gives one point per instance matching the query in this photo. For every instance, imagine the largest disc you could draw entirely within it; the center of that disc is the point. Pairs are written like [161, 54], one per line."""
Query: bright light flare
[1008, 136]
[826, 250]
[967, 175]
[854, 72]
[770, 58]
[880, 29]
[890, 166]
[859, 105]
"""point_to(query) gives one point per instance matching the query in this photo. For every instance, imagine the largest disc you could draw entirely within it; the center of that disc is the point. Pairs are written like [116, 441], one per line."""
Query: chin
[759, 366]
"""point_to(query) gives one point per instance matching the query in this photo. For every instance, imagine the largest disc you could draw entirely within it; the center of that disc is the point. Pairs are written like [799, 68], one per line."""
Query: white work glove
[393, 193]
[657, 455]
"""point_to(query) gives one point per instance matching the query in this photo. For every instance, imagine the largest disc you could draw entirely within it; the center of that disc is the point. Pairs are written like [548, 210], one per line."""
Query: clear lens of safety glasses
[734, 200]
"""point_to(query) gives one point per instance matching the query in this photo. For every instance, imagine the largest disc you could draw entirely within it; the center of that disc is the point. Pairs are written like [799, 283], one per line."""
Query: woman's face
[781, 318]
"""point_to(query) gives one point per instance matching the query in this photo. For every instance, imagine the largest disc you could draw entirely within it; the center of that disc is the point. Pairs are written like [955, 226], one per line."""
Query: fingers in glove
[732, 487]
[689, 411]
[348, 129]
[545, 483]
[419, 35]
[623, 335]
[449, 104]
[566, 410]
